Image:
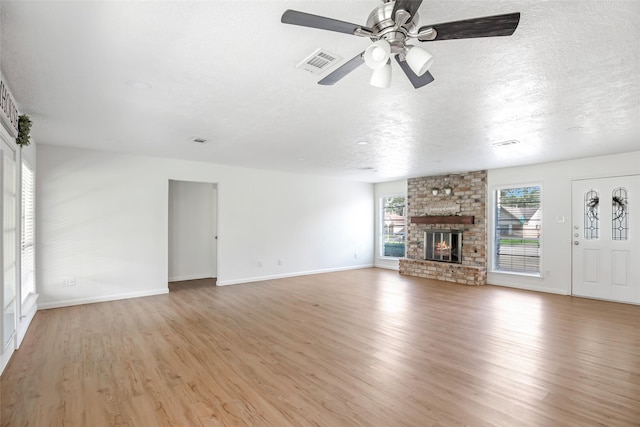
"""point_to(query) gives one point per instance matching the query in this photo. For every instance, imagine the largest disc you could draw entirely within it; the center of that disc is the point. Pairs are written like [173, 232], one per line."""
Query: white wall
[556, 181]
[191, 230]
[103, 219]
[385, 189]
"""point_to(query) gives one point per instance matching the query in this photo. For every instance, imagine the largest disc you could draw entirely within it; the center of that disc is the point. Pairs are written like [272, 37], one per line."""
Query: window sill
[30, 303]
[515, 273]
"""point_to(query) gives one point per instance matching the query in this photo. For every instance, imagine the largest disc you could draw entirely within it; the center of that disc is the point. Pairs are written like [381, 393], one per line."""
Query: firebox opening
[443, 245]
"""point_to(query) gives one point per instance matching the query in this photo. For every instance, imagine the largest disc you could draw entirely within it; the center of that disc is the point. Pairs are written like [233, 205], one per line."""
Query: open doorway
[193, 249]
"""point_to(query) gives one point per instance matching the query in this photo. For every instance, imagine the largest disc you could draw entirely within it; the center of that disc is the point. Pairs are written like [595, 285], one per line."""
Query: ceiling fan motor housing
[382, 23]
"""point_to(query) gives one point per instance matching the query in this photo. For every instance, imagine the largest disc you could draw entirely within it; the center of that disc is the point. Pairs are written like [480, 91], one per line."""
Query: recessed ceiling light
[136, 84]
[366, 168]
[506, 143]
[363, 143]
[197, 140]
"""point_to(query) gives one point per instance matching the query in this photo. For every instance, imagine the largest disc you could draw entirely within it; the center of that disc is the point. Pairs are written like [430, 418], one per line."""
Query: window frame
[493, 265]
[382, 229]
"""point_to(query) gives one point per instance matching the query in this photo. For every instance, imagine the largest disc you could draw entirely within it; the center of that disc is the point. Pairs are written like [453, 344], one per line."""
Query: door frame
[577, 235]
[214, 192]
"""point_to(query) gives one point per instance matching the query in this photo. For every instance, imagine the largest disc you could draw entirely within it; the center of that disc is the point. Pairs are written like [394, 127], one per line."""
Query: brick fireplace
[430, 208]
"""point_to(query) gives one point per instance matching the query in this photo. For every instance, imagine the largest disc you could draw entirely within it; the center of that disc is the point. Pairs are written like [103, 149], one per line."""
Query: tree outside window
[518, 230]
[394, 226]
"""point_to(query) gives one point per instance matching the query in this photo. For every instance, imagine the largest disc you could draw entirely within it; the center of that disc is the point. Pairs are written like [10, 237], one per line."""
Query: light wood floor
[357, 348]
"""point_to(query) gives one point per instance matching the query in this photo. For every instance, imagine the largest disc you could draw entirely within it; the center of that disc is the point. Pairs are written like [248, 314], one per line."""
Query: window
[394, 226]
[518, 229]
[27, 252]
[591, 220]
[620, 214]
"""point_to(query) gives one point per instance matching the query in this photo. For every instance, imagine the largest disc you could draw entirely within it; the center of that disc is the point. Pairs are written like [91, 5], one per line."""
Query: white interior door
[606, 238]
[192, 230]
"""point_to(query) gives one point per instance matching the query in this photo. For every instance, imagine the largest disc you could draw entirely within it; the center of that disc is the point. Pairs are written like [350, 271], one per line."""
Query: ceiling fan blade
[410, 6]
[323, 23]
[343, 70]
[488, 26]
[416, 81]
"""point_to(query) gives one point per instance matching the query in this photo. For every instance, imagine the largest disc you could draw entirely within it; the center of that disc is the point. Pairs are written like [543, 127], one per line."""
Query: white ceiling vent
[198, 140]
[319, 61]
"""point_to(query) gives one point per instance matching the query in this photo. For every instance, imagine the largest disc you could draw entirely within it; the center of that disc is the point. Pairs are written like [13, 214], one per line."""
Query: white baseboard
[23, 325]
[27, 317]
[105, 298]
[532, 288]
[283, 276]
[389, 264]
[190, 277]
[5, 356]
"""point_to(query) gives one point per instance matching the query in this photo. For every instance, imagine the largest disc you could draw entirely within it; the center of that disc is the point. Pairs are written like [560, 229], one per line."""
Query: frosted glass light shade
[382, 76]
[419, 60]
[377, 55]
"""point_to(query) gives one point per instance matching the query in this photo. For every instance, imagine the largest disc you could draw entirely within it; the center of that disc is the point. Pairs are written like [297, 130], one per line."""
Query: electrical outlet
[72, 281]
[259, 263]
[279, 262]
[65, 282]
[355, 255]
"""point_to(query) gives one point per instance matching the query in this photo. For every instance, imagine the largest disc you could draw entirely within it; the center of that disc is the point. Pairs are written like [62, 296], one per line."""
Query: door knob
[576, 243]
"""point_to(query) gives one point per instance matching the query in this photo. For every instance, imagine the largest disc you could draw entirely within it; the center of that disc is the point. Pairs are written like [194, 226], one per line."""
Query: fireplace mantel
[439, 219]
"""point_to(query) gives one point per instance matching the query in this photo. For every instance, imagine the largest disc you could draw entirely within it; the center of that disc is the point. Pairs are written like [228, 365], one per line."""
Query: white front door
[606, 238]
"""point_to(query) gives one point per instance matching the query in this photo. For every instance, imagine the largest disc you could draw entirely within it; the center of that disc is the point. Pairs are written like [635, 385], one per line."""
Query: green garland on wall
[24, 127]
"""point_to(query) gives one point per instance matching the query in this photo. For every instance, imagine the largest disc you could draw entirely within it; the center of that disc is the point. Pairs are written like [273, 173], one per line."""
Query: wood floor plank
[356, 348]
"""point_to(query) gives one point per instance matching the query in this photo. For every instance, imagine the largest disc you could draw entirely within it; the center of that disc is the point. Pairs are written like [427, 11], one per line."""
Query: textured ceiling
[566, 85]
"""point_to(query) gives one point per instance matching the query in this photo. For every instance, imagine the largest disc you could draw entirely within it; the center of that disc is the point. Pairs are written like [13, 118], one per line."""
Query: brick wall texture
[470, 192]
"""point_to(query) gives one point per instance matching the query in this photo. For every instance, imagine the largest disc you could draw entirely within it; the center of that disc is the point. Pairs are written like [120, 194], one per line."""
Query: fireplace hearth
[443, 245]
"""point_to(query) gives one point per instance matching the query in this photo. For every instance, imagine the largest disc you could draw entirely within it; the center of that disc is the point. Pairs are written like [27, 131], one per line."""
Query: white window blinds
[27, 253]
[518, 230]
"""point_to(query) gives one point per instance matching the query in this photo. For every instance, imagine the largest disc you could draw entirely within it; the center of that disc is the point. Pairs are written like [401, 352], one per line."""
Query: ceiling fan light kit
[390, 26]
[418, 59]
[377, 55]
[381, 77]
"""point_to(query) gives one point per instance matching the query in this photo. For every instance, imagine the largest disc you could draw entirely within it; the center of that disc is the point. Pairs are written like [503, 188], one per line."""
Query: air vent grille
[319, 61]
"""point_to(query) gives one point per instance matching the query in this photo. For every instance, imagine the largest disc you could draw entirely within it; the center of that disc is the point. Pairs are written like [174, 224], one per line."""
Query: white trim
[379, 226]
[389, 263]
[106, 298]
[26, 316]
[604, 175]
[517, 273]
[395, 267]
[191, 277]
[492, 223]
[5, 356]
[283, 276]
[531, 288]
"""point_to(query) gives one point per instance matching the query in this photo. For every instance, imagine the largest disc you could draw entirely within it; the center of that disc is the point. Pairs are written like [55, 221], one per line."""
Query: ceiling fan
[390, 26]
